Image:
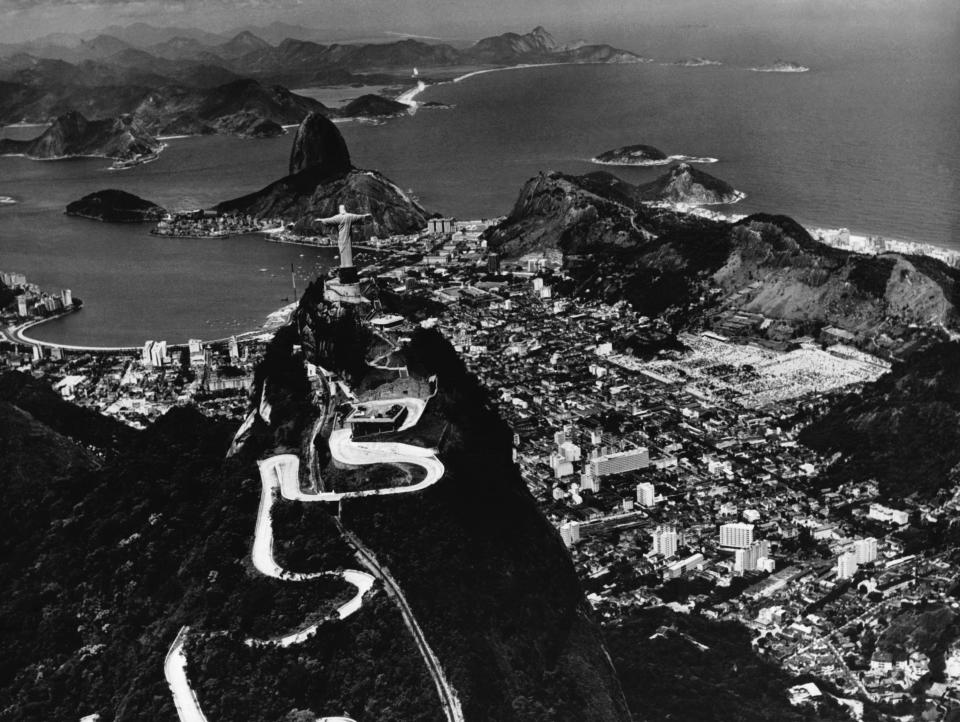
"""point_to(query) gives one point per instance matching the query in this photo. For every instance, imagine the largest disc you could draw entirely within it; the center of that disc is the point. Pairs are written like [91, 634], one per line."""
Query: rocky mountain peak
[318, 142]
[544, 38]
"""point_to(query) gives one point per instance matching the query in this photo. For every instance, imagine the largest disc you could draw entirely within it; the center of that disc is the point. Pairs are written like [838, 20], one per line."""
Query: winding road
[280, 475]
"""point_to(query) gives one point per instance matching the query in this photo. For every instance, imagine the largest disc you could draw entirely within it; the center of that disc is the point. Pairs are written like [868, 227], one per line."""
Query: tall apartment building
[666, 539]
[847, 565]
[570, 533]
[736, 535]
[749, 558]
[619, 462]
[865, 550]
[646, 492]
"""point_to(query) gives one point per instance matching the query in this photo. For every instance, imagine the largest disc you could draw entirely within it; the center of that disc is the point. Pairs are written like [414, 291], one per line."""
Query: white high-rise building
[158, 353]
[619, 462]
[588, 482]
[665, 540]
[865, 550]
[570, 533]
[234, 349]
[736, 535]
[147, 357]
[748, 558]
[646, 492]
[22, 310]
[66, 295]
[570, 451]
[847, 565]
[196, 352]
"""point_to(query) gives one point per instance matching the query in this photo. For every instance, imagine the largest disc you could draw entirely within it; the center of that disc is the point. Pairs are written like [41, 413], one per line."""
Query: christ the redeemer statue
[348, 273]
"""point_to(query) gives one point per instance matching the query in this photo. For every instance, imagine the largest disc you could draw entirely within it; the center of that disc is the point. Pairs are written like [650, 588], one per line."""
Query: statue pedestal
[339, 292]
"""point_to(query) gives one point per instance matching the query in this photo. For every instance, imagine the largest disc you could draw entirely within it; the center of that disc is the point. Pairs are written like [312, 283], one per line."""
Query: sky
[459, 20]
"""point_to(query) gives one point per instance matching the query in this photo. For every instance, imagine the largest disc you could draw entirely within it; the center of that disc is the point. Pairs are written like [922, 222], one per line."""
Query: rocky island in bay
[115, 206]
[644, 155]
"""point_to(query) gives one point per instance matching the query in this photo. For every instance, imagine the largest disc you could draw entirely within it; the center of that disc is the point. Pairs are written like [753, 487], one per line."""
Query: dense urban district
[678, 468]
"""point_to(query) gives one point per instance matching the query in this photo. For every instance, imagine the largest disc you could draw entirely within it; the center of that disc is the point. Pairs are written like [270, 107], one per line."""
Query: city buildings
[618, 462]
[666, 540]
[753, 557]
[646, 493]
[736, 535]
[865, 550]
[847, 565]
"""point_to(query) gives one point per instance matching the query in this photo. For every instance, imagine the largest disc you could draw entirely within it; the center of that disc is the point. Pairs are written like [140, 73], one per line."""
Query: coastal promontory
[685, 184]
[115, 206]
[321, 178]
[72, 135]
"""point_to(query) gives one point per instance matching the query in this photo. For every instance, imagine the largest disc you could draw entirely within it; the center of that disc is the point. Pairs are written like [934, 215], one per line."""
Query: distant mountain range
[177, 81]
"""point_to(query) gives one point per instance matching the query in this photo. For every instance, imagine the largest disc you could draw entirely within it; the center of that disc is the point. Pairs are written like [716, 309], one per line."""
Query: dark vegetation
[475, 547]
[115, 206]
[365, 667]
[667, 677]
[106, 555]
[903, 429]
[108, 551]
[688, 269]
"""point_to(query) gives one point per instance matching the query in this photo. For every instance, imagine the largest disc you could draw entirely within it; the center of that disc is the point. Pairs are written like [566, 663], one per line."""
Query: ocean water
[867, 140]
[136, 286]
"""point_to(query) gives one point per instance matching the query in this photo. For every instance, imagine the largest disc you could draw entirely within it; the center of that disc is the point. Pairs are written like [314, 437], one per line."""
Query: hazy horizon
[875, 21]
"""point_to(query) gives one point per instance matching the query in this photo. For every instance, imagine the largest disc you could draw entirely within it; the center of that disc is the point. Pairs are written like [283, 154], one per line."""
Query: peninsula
[72, 135]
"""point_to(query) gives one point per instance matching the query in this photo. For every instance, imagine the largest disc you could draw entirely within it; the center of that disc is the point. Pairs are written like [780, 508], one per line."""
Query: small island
[781, 66]
[374, 106]
[644, 155]
[695, 62]
[632, 155]
[116, 206]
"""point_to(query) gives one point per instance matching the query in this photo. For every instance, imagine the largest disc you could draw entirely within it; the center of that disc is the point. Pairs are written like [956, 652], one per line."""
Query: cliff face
[73, 135]
[115, 206]
[559, 212]
[321, 179]
[319, 144]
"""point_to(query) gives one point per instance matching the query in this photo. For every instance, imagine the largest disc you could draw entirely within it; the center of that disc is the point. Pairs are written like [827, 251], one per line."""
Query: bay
[866, 140]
